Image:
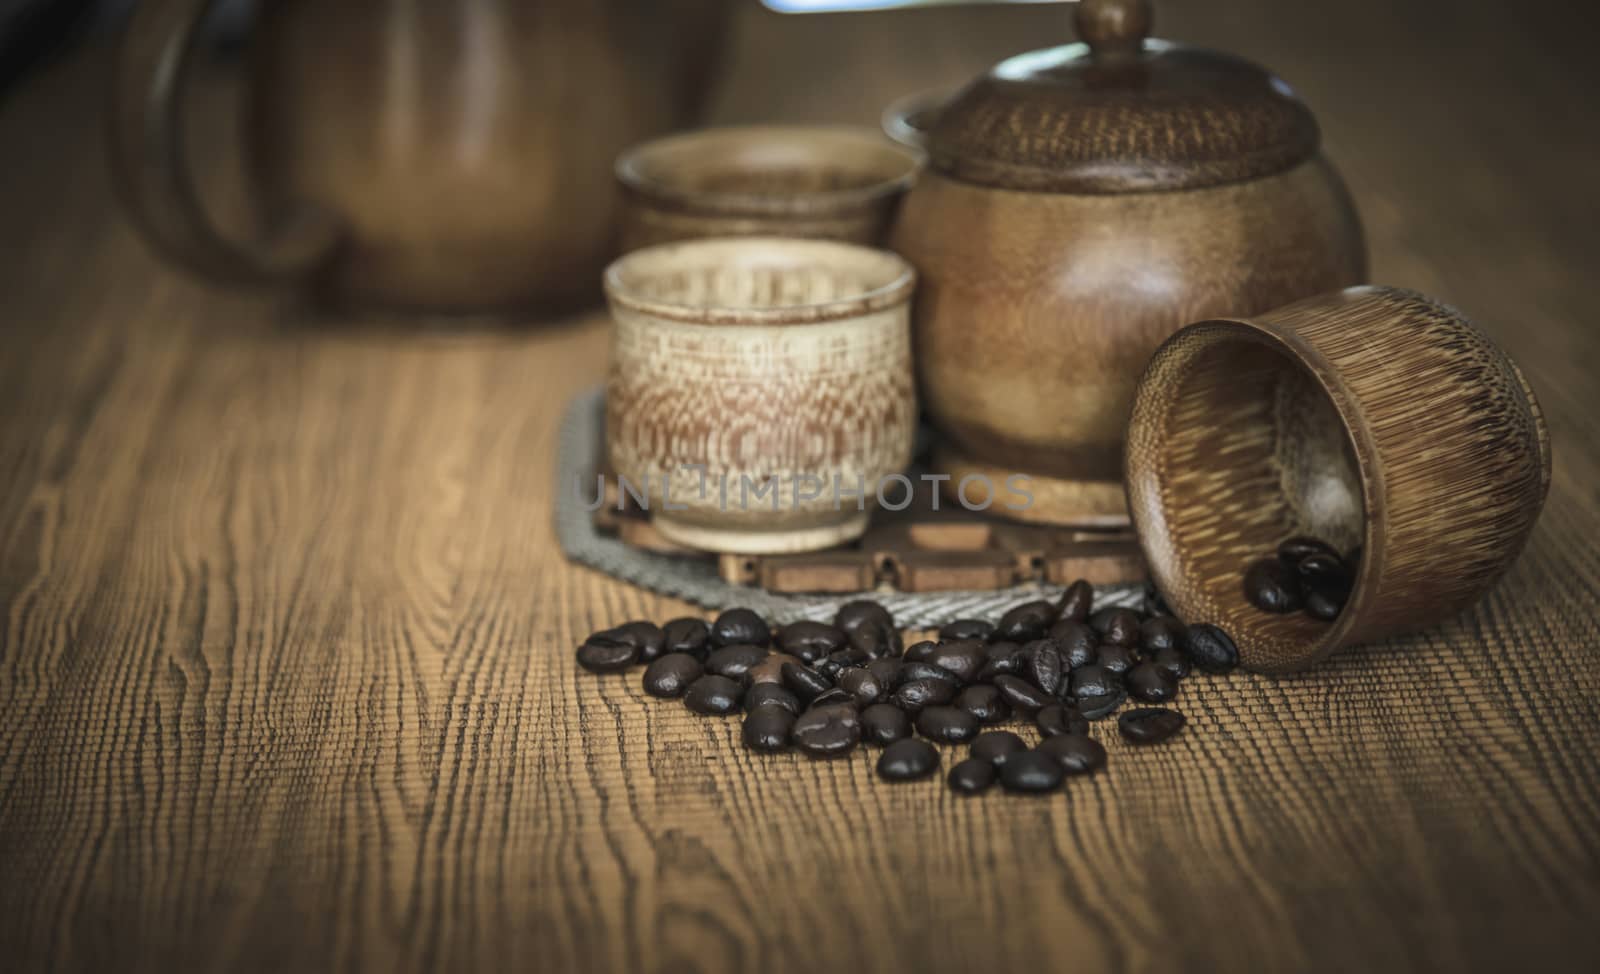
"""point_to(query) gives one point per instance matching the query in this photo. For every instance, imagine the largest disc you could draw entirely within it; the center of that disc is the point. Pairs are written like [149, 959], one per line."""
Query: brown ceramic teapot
[451, 155]
[1081, 204]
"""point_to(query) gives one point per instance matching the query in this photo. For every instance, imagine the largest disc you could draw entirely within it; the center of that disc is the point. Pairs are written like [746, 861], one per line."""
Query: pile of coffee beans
[1308, 574]
[827, 689]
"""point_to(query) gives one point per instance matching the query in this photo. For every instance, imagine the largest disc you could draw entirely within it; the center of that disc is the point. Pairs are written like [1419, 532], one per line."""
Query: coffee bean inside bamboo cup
[1252, 452]
[1372, 419]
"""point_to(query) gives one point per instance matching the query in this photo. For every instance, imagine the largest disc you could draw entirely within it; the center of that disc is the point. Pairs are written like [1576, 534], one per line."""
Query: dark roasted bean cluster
[828, 688]
[1308, 574]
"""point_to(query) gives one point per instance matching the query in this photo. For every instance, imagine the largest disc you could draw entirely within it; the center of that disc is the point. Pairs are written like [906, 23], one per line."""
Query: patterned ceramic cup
[760, 389]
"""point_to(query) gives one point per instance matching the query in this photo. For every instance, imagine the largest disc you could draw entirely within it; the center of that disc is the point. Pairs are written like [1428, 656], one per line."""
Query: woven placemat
[695, 579]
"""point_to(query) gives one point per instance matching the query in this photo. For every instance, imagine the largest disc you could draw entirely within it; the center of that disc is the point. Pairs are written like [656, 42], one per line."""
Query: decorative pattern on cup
[756, 384]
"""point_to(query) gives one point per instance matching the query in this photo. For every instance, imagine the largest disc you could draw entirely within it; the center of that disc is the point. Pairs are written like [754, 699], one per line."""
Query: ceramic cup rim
[633, 171]
[897, 115]
[1152, 519]
[894, 291]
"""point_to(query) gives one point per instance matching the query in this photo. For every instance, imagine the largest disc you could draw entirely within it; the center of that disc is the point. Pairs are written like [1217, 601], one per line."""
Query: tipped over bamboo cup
[1370, 417]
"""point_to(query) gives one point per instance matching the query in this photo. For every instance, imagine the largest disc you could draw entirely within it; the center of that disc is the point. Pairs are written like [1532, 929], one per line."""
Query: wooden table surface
[285, 639]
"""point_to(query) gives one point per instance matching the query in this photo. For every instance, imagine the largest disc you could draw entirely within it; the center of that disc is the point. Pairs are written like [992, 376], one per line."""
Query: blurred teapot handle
[153, 177]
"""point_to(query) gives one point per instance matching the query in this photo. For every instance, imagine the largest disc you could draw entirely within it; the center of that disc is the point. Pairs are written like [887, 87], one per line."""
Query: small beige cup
[815, 181]
[756, 385]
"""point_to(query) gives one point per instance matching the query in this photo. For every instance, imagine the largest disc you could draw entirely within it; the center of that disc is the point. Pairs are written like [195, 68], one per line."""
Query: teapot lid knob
[1113, 27]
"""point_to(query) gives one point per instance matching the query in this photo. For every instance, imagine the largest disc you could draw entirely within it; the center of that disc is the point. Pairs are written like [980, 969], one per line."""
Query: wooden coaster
[915, 550]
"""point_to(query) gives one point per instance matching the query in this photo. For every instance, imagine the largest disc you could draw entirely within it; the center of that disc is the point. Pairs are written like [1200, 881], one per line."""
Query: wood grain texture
[285, 643]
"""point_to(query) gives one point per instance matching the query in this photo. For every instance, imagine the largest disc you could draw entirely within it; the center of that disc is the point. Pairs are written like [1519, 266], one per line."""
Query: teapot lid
[1120, 112]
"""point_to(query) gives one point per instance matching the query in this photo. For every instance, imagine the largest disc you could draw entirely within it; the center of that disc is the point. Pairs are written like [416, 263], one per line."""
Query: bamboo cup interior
[1235, 445]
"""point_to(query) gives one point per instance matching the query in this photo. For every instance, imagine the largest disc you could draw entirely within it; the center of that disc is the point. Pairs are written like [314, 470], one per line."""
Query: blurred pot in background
[446, 156]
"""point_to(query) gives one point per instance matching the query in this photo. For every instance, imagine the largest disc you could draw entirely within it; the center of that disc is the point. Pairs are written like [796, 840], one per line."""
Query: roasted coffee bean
[603, 653]
[1004, 657]
[1147, 725]
[810, 641]
[1324, 573]
[971, 776]
[1151, 683]
[1117, 627]
[735, 662]
[826, 732]
[1154, 604]
[1162, 632]
[884, 723]
[1076, 642]
[1210, 649]
[806, 682]
[1075, 602]
[1116, 659]
[1294, 550]
[1026, 622]
[1058, 719]
[833, 664]
[861, 612]
[918, 652]
[1093, 687]
[925, 671]
[1271, 586]
[966, 629]
[1076, 753]
[1023, 696]
[670, 675]
[713, 695]
[1034, 772]
[832, 697]
[994, 747]
[908, 760]
[830, 668]
[646, 636]
[740, 626]
[876, 640]
[767, 727]
[687, 635]
[1094, 681]
[1099, 708]
[950, 725]
[769, 670]
[964, 658]
[985, 703]
[913, 696]
[1321, 605]
[862, 686]
[1173, 661]
[886, 671]
[771, 693]
[1045, 667]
